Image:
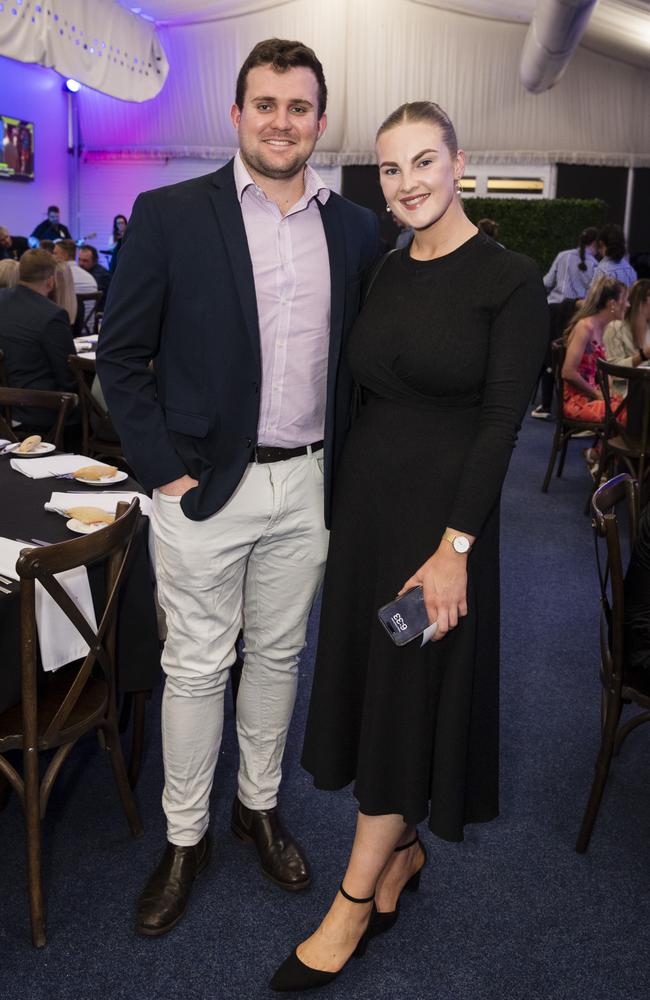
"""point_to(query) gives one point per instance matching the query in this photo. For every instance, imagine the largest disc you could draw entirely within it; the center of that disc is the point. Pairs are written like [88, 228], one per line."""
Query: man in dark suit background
[237, 428]
[35, 334]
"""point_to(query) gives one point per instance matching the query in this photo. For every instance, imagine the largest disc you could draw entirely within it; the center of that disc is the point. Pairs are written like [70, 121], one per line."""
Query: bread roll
[95, 472]
[91, 515]
[29, 444]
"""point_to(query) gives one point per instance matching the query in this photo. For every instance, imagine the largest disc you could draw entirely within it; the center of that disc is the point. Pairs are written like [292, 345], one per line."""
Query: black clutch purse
[406, 617]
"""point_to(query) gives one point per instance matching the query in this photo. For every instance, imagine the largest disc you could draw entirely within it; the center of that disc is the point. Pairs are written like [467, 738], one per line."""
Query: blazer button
[256, 388]
[249, 442]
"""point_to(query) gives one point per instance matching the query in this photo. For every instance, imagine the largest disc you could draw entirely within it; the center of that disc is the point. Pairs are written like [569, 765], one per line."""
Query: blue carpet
[511, 914]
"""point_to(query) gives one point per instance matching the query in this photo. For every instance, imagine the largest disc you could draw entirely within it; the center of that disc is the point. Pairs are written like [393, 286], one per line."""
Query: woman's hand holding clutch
[443, 579]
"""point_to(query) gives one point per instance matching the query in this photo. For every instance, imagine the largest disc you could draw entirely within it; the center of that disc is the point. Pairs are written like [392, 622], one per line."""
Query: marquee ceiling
[618, 28]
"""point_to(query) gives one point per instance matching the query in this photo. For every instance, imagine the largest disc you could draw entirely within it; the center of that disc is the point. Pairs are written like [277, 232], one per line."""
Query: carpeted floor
[511, 914]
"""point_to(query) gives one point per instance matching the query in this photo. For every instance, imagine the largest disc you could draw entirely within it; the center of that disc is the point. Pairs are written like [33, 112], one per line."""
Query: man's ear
[235, 116]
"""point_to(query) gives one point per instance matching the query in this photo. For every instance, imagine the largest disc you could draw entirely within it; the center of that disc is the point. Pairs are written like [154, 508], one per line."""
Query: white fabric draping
[100, 44]
[378, 54]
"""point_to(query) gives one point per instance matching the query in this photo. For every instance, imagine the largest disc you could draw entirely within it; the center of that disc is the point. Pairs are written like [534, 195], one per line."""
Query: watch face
[461, 544]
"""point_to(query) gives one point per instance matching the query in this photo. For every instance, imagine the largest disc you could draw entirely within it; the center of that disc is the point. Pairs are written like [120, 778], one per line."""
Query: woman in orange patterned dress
[583, 400]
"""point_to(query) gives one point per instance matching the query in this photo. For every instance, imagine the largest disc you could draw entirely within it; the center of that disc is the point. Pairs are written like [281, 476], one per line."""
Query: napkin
[58, 639]
[56, 465]
[106, 501]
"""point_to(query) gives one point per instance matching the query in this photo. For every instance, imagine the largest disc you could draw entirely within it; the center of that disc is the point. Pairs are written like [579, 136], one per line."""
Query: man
[89, 261]
[65, 252]
[227, 429]
[11, 247]
[35, 333]
[51, 228]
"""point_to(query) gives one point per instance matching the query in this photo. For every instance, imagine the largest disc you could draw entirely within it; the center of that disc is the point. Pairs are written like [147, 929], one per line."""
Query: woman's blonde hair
[63, 292]
[423, 111]
[602, 291]
[9, 270]
[638, 294]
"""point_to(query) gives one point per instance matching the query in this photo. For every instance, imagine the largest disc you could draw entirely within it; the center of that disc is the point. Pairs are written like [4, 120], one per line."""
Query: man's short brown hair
[281, 55]
[36, 266]
[69, 248]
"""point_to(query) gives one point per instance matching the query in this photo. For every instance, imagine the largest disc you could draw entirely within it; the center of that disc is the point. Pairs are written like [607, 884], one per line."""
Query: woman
[119, 229]
[63, 292]
[9, 273]
[625, 339]
[612, 249]
[567, 280]
[606, 301]
[445, 375]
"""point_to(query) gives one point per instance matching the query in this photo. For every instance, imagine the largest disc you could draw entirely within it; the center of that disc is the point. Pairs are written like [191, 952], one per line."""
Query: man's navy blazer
[183, 296]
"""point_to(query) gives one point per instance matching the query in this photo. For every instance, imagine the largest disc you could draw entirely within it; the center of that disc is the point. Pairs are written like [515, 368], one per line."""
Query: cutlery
[3, 579]
[60, 475]
[5, 590]
[23, 541]
[39, 541]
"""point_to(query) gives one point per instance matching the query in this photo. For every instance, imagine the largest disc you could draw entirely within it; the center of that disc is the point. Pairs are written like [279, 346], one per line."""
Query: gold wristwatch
[459, 543]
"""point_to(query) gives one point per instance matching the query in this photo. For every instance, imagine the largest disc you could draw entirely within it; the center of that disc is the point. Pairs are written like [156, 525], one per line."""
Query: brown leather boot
[281, 859]
[163, 901]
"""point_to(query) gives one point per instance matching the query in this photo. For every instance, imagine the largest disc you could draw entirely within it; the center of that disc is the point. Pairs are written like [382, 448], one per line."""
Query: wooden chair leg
[560, 467]
[613, 714]
[137, 740]
[33, 838]
[551, 462]
[114, 747]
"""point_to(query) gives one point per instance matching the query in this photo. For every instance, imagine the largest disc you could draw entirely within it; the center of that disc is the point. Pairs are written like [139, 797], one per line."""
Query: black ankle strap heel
[353, 899]
[404, 847]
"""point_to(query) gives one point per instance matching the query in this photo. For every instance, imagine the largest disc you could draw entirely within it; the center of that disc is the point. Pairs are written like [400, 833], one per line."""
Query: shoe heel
[413, 883]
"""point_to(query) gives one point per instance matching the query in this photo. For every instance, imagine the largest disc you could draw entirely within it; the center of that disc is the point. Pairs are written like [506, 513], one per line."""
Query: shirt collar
[315, 187]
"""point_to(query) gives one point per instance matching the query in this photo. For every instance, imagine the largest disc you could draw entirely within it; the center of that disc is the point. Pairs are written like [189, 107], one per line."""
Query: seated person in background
[35, 334]
[89, 261]
[63, 293]
[8, 273]
[11, 247]
[606, 301]
[51, 228]
[490, 228]
[612, 250]
[47, 245]
[65, 252]
[625, 339]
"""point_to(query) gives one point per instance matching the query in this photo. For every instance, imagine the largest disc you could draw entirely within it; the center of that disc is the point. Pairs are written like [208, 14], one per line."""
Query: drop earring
[388, 208]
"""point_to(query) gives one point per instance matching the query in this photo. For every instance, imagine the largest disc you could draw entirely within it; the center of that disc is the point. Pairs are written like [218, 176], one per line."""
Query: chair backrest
[635, 430]
[88, 324]
[61, 404]
[621, 492]
[110, 545]
[85, 371]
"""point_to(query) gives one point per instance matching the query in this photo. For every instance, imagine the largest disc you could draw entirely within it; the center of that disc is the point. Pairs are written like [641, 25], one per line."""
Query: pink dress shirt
[292, 287]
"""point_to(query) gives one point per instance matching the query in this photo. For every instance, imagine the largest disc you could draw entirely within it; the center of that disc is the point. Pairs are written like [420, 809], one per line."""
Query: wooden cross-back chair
[87, 321]
[58, 708]
[619, 686]
[60, 403]
[626, 436]
[94, 418]
[566, 428]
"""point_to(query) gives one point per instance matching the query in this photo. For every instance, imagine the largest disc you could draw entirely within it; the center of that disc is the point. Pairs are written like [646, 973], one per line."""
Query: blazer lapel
[223, 195]
[334, 235]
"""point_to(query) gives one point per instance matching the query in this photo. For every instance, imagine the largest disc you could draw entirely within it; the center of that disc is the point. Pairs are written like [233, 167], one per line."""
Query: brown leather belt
[263, 453]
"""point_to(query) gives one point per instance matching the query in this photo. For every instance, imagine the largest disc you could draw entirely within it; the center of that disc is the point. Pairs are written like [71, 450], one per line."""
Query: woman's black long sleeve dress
[447, 352]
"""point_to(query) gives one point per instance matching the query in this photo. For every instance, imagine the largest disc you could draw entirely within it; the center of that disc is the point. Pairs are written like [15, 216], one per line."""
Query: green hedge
[538, 227]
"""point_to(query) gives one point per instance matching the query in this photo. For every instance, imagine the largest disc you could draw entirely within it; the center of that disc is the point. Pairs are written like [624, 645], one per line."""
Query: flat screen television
[17, 153]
